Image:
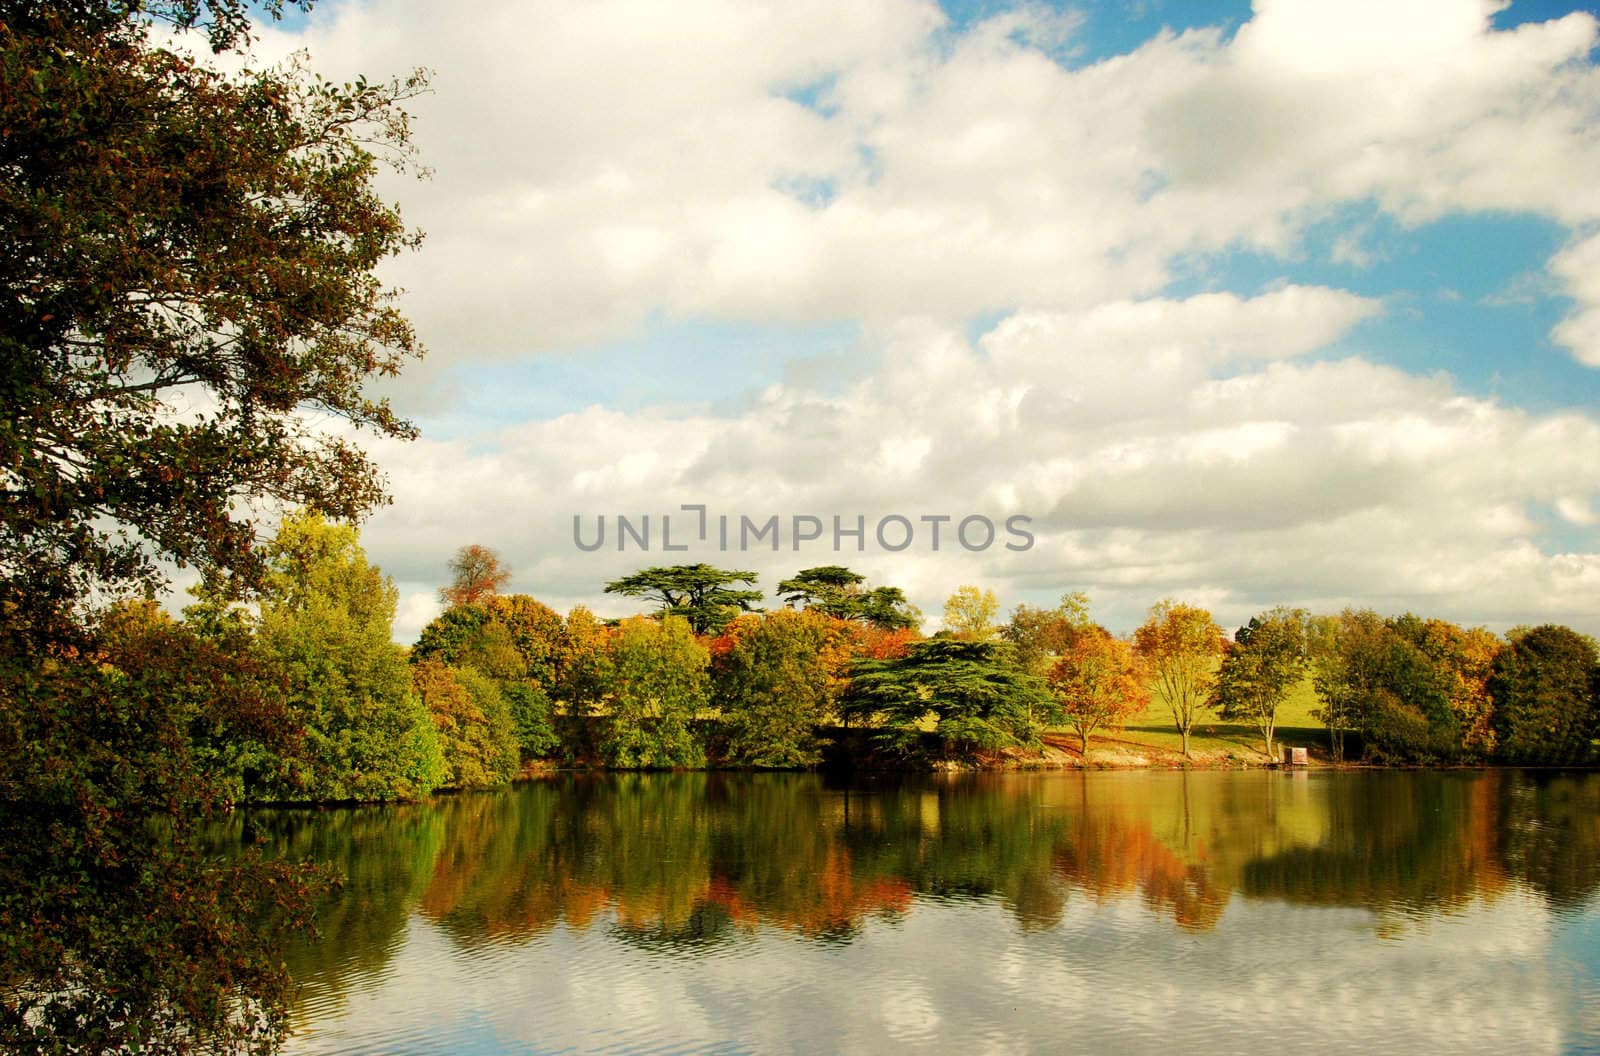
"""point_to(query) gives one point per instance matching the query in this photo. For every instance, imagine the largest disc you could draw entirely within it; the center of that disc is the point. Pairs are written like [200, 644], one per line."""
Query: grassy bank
[1149, 739]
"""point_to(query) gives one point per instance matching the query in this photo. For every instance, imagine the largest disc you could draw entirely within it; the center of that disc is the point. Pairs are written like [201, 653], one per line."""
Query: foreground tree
[701, 594]
[174, 232]
[189, 265]
[836, 591]
[476, 575]
[1181, 645]
[1098, 682]
[1266, 659]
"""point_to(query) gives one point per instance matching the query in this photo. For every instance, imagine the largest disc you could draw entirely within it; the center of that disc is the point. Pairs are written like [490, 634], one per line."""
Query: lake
[1130, 912]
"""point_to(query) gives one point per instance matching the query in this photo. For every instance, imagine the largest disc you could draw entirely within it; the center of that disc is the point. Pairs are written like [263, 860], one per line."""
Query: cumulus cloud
[601, 168]
[600, 163]
[1191, 447]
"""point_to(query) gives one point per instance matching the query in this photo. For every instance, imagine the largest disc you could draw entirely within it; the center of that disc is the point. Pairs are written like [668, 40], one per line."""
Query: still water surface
[1211, 912]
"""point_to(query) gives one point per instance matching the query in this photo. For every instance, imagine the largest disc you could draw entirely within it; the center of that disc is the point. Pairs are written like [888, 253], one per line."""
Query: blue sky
[1301, 306]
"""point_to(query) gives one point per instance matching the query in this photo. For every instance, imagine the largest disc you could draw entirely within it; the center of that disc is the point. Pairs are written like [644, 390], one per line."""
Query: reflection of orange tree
[1107, 854]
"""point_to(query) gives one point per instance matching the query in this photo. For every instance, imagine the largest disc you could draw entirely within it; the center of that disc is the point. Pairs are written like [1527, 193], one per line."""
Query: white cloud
[1578, 269]
[1162, 447]
[599, 163]
[601, 167]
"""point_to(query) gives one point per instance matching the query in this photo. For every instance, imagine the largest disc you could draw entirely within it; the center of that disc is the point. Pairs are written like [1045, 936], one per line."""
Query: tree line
[500, 681]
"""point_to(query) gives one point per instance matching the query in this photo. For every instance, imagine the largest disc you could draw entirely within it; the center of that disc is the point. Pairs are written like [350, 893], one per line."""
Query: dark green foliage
[699, 593]
[450, 634]
[1377, 678]
[1545, 688]
[657, 687]
[969, 694]
[836, 591]
[531, 719]
[773, 687]
[1265, 661]
[118, 932]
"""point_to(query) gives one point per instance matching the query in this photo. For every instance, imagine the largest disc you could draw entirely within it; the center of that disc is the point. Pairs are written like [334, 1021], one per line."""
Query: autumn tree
[701, 594]
[657, 687]
[1410, 688]
[189, 268]
[476, 575]
[836, 591]
[1042, 635]
[476, 733]
[1181, 645]
[1265, 660]
[971, 614]
[774, 686]
[513, 639]
[1097, 681]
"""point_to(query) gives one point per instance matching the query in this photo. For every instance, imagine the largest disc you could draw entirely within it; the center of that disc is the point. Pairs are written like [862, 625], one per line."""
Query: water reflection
[1104, 881]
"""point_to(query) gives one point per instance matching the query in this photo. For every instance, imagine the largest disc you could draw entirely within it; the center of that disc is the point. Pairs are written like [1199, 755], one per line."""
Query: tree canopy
[836, 591]
[476, 575]
[1181, 645]
[972, 695]
[1266, 659]
[701, 594]
[189, 267]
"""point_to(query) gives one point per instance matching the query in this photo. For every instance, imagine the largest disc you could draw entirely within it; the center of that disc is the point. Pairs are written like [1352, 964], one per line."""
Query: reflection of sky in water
[961, 977]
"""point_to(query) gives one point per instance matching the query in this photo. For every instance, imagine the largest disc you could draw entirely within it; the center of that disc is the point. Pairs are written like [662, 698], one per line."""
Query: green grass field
[1152, 738]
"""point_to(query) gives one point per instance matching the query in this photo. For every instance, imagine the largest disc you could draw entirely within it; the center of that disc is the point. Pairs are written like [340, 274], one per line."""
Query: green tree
[172, 230]
[971, 614]
[476, 575]
[1097, 681]
[657, 687]
[1546, 686]
[1266, 659]
[1181, 645]
[326, 624]
[969, 694]
[700, 594]
[774, 686]
[583, 678]
[189, 267]
[836, 591]
[475, 728]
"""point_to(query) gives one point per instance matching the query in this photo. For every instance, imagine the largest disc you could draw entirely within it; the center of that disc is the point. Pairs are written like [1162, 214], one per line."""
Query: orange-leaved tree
[476, 575]
[1098, 681]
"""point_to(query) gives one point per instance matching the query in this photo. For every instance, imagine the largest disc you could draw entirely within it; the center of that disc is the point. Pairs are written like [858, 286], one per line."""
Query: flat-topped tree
[836, 591]
[701, 594]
